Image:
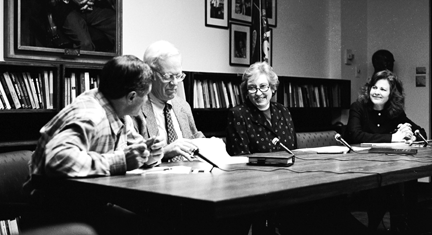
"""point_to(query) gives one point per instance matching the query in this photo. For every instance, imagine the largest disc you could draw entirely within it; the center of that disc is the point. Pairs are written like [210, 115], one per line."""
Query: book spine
[29, 90]
[86, 81]
[45, 85]
[26, 94]
[34, 92]
[38, 87]
[18, 90]
[51, 89]
[5, 100]
[231, 94]
[11, 88]
[73, 87]
[217, 98]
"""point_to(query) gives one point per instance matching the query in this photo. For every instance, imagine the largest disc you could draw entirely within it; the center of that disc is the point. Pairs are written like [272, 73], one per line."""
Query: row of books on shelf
[310, 96]
[216, 94]
[77, 83]
[27, 90]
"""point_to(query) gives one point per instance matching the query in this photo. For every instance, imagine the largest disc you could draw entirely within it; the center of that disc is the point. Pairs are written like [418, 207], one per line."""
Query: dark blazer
[366, 125]
[248, 131]
[182, 111]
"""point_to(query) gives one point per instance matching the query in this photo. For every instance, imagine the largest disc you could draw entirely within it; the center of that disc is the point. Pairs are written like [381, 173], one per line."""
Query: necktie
[172, 136]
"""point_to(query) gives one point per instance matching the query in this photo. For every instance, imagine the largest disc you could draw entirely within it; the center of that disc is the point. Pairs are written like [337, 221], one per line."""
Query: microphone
[276, 141]
[205, 159]
[417, 133]
[339, 138]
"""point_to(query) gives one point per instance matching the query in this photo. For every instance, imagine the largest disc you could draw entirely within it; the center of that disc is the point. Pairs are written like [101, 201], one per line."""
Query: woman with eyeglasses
[378, 115]
[254, 124]
[251, 128]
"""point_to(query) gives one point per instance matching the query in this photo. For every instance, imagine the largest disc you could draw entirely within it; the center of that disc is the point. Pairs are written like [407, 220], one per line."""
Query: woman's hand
[403, 133]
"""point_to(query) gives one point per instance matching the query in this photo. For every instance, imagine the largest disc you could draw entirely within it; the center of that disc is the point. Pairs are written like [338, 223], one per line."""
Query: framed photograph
[239, 44]
[271, 12]
[241, 10]
[39, 30]
[268, 47]
[216, 13]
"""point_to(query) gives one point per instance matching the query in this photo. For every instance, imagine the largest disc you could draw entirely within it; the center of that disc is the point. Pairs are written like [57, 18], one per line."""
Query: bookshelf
[323, 101]
[20, 126]
[37, 103]
[77, 79]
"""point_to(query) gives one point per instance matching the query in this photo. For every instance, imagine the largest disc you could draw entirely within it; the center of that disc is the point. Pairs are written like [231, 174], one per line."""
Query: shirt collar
[113, 118]
[158, 102]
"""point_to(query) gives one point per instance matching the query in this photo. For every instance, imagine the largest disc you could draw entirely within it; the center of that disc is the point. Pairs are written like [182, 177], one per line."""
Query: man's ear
[131, 96]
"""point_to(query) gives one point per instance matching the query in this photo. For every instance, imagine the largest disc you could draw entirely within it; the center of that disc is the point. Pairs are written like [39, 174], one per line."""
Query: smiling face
[379, 93]
[261, 98]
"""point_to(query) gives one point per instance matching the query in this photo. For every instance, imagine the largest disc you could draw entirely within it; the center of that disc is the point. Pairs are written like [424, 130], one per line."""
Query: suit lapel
[149, 115]
[181, 117]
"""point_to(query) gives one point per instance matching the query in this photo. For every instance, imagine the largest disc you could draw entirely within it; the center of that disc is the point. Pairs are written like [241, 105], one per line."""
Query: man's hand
[180, 147]
[136, 155]
[155, 146]
[86, 5]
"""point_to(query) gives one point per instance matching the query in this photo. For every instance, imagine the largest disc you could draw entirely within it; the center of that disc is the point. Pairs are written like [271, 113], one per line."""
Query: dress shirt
[85, 138]
[366, 125]
[158, 107]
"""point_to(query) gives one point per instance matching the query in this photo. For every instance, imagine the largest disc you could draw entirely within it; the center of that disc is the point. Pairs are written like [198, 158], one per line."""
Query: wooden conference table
[242, 189]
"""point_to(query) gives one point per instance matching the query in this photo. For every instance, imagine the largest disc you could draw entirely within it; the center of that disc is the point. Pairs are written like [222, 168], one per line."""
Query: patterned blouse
[249, 131]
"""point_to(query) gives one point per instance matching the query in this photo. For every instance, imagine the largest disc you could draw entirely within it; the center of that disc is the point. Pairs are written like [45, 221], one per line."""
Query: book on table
[272, 159]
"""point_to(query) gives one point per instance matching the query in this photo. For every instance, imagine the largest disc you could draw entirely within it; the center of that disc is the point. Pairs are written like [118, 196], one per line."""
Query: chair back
[316, 139]
[14, 171]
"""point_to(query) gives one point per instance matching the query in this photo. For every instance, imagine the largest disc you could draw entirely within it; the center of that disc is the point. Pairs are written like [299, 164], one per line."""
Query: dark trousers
[76, 26]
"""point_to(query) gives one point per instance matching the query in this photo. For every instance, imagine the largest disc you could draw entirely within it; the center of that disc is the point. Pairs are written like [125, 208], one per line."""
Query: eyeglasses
[254, 90]
[166, 78]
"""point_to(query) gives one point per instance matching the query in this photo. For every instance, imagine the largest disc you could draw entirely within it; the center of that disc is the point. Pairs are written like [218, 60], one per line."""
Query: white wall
[300, 38]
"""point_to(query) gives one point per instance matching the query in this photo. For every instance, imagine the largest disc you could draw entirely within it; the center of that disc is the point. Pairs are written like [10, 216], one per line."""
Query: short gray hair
[159, 50]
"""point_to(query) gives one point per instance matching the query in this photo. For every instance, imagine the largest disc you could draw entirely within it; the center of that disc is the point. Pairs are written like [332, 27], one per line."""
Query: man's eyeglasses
[254, 90]
[166, 78]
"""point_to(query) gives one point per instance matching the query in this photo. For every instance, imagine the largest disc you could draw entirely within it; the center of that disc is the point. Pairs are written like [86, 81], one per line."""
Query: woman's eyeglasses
[254, 90]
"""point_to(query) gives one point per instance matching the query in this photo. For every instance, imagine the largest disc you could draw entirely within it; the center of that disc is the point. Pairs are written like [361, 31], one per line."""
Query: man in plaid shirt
[95, 136]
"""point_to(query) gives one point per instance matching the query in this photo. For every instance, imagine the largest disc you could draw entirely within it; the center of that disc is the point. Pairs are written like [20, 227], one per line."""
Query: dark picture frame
[241, 10]
[268, 47]
[271, 12]
[240, 44]
[216, 13]
[31, 33]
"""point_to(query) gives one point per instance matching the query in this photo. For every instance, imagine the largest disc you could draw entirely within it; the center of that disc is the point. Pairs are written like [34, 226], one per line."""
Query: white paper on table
[214, 149]
[331, 149]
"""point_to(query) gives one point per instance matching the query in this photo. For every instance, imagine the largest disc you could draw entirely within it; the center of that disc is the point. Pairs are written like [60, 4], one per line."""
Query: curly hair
[256, 69]
[395, 104]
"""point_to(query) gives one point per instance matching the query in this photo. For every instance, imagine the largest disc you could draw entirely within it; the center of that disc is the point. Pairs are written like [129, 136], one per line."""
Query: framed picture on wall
[34, 31]
[216, 13]
[268, 47]
[239, 44]
[271, 12]
[241, 10]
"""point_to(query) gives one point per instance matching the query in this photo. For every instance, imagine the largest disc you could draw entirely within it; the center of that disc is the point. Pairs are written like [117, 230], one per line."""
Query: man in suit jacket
[165, 61]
